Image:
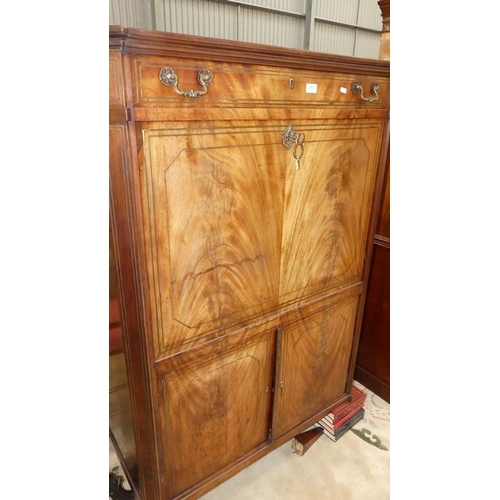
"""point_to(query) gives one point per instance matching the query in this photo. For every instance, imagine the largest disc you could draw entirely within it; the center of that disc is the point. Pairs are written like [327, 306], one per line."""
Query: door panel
[217, 406]
[213, 202]
[327, 203]
[314, 352]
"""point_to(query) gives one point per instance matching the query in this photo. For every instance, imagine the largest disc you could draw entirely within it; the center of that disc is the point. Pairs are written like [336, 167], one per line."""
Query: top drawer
[248, 85]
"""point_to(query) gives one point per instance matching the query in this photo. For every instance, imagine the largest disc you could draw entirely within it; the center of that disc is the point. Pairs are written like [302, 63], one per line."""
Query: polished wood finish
[385, 8]
[303, 441]
[373, 359]
[246, 86]
[188, 47]
[120, 416]
[384, 221]
[241, 279]
[216, 406]
[214, 244]
[201, 260]
[312, 372]
[130, 281]
[333, 202]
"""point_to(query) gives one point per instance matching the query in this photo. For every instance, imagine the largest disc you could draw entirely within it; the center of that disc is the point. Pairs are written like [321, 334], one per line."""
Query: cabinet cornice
[137, 41]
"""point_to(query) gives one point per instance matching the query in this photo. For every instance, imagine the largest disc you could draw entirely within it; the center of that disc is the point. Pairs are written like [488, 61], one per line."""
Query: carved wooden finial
[384, 52]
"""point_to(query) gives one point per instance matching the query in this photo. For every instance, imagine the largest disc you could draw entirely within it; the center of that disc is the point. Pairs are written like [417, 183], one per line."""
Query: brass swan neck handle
[205, 78]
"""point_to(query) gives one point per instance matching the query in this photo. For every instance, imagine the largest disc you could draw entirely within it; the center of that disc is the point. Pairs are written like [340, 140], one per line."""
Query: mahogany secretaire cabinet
[244, 181]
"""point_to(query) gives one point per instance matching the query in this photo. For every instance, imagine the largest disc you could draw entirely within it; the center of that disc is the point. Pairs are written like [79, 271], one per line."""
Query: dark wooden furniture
[373, 360]
[243, 184]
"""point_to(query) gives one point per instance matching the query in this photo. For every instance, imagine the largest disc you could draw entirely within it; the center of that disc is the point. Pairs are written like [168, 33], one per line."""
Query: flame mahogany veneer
[242, 279]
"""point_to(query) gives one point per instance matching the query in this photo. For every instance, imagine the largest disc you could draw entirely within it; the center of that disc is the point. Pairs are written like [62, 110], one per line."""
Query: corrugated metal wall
[131, 13]
[347, 27]
[270, 28]
[195, 17]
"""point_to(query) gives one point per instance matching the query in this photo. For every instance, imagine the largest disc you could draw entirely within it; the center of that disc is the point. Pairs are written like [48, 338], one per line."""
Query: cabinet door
[212, 202]
[216, 406]
[314, 349]
[327, 207]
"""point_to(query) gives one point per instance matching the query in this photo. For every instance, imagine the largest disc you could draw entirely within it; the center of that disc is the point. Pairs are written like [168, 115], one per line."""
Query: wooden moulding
[138, 41]
[302, 442]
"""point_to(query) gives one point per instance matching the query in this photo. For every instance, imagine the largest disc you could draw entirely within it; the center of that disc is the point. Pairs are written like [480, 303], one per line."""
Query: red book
[328, 422]
[358, 400]
[349, 423]
[342, 421]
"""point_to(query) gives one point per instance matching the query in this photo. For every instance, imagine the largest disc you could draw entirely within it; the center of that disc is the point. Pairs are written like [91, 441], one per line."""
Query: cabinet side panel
[127, 274]
[384, 222]
[116, 84]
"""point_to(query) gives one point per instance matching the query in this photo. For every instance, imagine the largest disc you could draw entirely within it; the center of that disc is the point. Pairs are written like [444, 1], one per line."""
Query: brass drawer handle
[169, 78]
[358, 89]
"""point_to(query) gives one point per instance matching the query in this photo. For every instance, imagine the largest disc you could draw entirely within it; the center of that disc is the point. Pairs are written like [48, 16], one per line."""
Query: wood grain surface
[247, 204]
[243, 85]
[189, 47]
[327, 208]
[239, 276]
[217, 408]
[213, 201]
[315, 347]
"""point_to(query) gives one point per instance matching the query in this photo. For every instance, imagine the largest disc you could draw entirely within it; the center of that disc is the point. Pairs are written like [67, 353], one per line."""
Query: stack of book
[345, 416]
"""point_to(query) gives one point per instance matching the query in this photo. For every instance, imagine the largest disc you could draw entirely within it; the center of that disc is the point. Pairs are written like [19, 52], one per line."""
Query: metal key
[291, 138]
[298, 150]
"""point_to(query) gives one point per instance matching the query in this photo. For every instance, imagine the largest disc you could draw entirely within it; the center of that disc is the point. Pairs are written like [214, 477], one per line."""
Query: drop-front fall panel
[247, 204]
